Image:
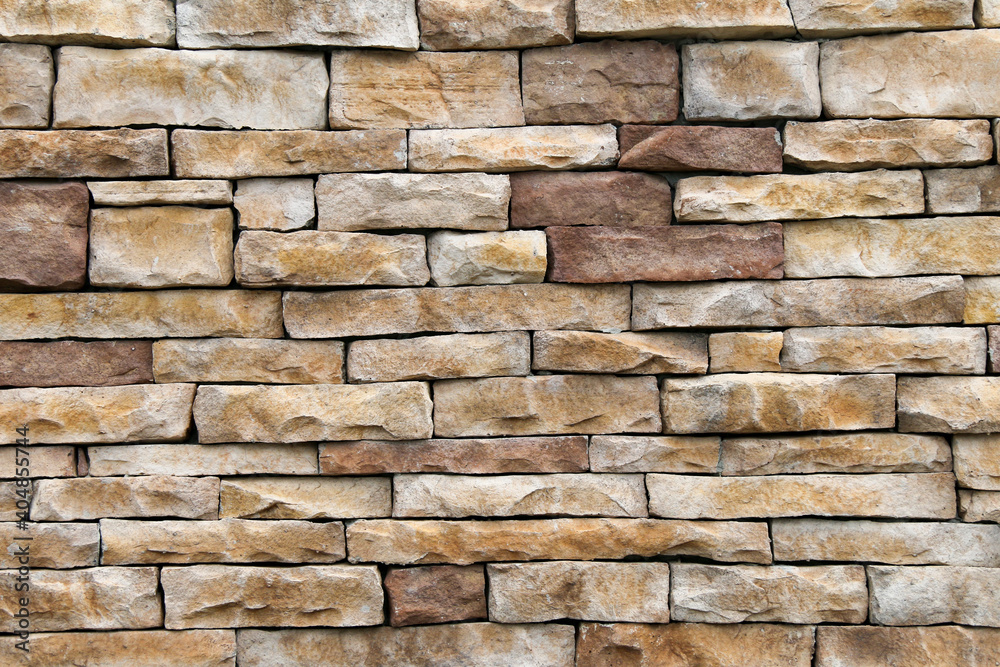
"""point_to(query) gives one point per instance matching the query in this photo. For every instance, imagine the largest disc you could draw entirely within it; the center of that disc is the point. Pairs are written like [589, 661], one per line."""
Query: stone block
[198, 460]
[121, 153]
[745, 351]
[55, 461]
[305, 497]
[439, 594]
[486, 258]
[867, 645]
[95, 22]
[755, 150]
[455, 25]
[979, 505]
[977, 461]
[823, 18]
[75, 363]
[930, 595]
[249, 360]
[52, 546]
[90, 498]
[963, 190]
[949, 404]
[982, 300]
[437, 357]
[26, 80]
[135, 648]
[654, 453]
[149, 193]
[624, 353]
[275, 204]
[715, 19]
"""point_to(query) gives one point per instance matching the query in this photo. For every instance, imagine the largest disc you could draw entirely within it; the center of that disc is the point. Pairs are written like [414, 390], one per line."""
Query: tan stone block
[26, 80]
[422, 595]
[453, 25]
[147, 193]
[822, 18]
[486, 258]
[249, 360]
[800, 303]
[751, 80]
[626, 352]
[135, 648]
[305, 497]
[89, 498]
[977, 461]
[269, 90]
[982, 300]
[455, 496]
[965, 595]
[871, 646]
[97, 22]
[135, 413]
[225, 541]
[987, 13]
[464, 542]
[979, 505]
[949, 404]
[782, 593]
[547, 404]
[9, 500]
[437, 357]
[610, 592]
[963, 190]
[197, 460]
[507, 149]
[687, 18]
[853, 145]
[97, 598]
[798, 196]
[303, 413]
[247, 596]
[454, 309]
[57, 461]
[51, 545]
[924, 496]
[745, 351]
[276, 204]
[120, 153]
[654, 453]
[849, 453]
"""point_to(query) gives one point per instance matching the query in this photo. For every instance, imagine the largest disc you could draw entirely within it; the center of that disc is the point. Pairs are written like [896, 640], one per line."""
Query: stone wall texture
[499, 333]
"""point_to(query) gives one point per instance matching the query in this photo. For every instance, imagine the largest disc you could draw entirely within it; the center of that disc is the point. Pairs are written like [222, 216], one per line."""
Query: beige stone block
[438, 357]
[198, 460]
[486, 258]
[135, 648]
[948, 404]
[454, 25]
[57, 461]
[275, 204]
[977, 461]
[51, 545]
[97, 22]
[26, 80]
[626, 353]
[868, 645]
[262, 360]
[685, 18]
[932, 595]
[89, 498]
[121, 153]
[148, 193]
[979, 505]
[654, 453]
[745, 351]
[822, 18]
[305, 497]
[987, 13]
[982, 300]
[963, 190]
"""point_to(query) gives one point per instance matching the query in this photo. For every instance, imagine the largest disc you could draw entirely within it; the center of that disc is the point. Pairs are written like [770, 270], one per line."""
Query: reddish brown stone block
[709, 252]
[74, 363]
[440, 594]
[755, 150]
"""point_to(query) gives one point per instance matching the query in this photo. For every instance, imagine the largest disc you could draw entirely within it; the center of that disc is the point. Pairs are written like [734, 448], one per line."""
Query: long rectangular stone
[700, 148]
[268, 90]
[782, 593]
[800, 303]
[135, 413]
[745, 351]
[546, 405]
[935, 74]
[871, 645]
[769, 402]
[963, 190]
[977, 461]
[302, 413]
[949, 404]
[687, 18]
[26, 79]
[849, 453]
[799, 196]
[55, 461]
[822, 18]
[305, 498]
[674, 253]
[263, 360]
[52, 545]
[89, 498]
[134, 648]
[453, 496]
[611, 592]
[182, 313]
[225, 541]
[468, 457]
[97, 22]
[455, 25]
[974, 506]
[897, 543]
[148, 193]
[121, 153]
[438, 357]
[654, 453]
[463, 542]
[253, 154]
[626, 353]
[486, 258]
[924, 496]
[75, 363]
[454, 309]
[230, 596]
[199, 460]
[965, 595]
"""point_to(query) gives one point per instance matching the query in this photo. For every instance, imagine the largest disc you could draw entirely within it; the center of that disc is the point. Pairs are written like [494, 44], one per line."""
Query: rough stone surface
[301, 413]
[315, 259]
[56, 461]
[994, 347]
[426, 646]
[541, 405]
[194, 460]
[601, 82]
[441, 594]
[801, 303]
[211, 24]
[26, 79]
[514, 148]
[946, 645]
[852, 145]
[161, 246]
[305, 498]
[75, 363]
[751, 80]
[538, 592]
[624, 353]
[43, 235]
[98, 598]
[234, 89]
[987, 13]
[437, 357]
[468, 457]
[275, 204]
[963, 190]
[606, 198]
[799, 196]
[354, 202]
[979, 505]
[930, 595]
[225, 541]
[254, 360]
[977, 461]
[149, 193]
[822, 18]
[97, 22]
[454, 25]
[944, 350]
[382, 89]
[688, 18]
[251, 154]
[454, 309]
[486, 258]
[122, 153]
[745, 351]
[89, 498]
[782, 593]
[137, 413]
[674, 253]
[848, 453]
[768, 402]
[134, 648]
[895, 76]
[926, 496]
[949, 404]
[982, 300]
[52, 545]
[700, 148]
[898, 543]
[455, 496]
[464, 542]
[233, 596]
[654, 453]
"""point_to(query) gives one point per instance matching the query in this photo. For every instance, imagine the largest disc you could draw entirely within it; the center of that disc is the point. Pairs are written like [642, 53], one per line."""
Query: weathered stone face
[816, 18]
[892, 76]
[52, 545]
[452, 25]
[437, 357]
[83, 153]
[653, 453]
[745, 351]
[26, 79]
[965, 595]
[700, 148]
[987, 13]
[421, 595]
[982, 300]
[275, 204]
[977, 461]
[210, 24]
[487, 258]
[302, 413]
[305, 498]
[687, 18]
[963, 190]
[382, 89]
[979, 505]
[97, 22]
[129, 648]
[253, 360]
[866, 645]
[194, 460]
[146, 193]
[949, 404]
[538, 592]
[233, 596]
[926, 496]
[464, 542]
[625, 353]
[89, 498]
[56, 461]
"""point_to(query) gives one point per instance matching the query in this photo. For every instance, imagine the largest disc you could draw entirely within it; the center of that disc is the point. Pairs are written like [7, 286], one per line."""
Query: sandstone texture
[745, 351]
[305, 498]
[89, 498]
[193, 460]
[96, 22]
[149, 193]
[946, 645]
[979, 505]
[700, 148]
[982, 305]
[55, 461]
[248, 360]
[52, 546]
[438, 357]
[977, 461]
[820, 18]
[654, 453]
[624, 353]
[438, 594]
[122, 153]
[987, 13]
[949, 404]
[963, 190]
[135, 648]
[454, 25]
[687, 18]
[486, 258]
[26, 80]
[965, 595]
[275, 204]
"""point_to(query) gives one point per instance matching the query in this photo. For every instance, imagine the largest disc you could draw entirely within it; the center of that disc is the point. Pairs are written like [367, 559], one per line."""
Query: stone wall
[510, 333]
